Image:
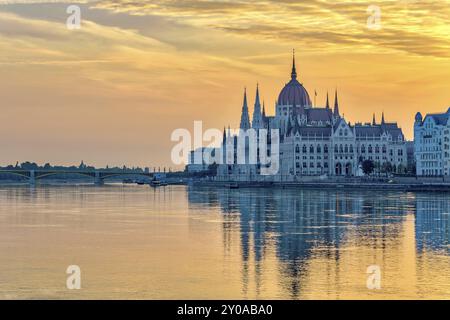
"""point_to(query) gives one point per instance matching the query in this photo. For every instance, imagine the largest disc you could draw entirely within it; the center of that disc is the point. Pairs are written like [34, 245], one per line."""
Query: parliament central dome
[293, 92]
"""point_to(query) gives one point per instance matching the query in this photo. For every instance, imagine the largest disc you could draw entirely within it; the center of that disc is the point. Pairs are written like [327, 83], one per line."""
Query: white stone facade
[432, 144]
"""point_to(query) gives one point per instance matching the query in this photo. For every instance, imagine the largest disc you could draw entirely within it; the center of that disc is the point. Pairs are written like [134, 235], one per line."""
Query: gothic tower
[245, 119]
[257, 116]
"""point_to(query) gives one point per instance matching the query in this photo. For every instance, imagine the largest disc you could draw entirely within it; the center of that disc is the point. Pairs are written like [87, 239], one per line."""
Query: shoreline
[407, 187]
[330, 185]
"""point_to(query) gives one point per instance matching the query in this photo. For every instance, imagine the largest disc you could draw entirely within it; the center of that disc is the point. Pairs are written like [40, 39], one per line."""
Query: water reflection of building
[433, 222]
[300, 226]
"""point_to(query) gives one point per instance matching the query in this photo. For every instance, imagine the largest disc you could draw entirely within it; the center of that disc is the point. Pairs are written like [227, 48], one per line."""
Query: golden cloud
[416, 27]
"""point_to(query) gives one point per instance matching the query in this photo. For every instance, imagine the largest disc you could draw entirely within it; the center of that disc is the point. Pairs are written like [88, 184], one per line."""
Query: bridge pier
[98, 180]
[32, 179]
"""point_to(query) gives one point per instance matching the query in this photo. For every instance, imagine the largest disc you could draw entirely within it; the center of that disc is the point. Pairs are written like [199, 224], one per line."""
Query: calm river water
[178, 242]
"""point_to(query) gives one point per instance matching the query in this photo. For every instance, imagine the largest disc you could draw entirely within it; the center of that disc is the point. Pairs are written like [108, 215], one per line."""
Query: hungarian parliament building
[315, 141]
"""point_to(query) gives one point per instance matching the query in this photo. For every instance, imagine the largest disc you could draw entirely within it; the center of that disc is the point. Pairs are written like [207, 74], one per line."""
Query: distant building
[410, 156]
[432, 144]
[202, 162]
[82, 166]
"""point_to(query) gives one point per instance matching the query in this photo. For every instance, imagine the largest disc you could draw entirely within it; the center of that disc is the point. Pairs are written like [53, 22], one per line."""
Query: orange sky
[113, 91]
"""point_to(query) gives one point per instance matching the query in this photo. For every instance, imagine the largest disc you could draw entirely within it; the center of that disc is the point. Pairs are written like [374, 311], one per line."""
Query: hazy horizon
[112, 92]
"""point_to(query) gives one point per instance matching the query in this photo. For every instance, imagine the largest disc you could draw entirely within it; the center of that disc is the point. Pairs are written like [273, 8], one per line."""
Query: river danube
[178, 242]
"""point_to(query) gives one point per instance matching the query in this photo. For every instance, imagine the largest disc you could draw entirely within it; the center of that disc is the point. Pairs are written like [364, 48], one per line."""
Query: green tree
[411, 168]
[212, 169]
[29, 166]
[386, 168]
[368, 166]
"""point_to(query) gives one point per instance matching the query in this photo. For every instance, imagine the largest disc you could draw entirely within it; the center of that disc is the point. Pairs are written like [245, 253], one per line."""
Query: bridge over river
[99, 176]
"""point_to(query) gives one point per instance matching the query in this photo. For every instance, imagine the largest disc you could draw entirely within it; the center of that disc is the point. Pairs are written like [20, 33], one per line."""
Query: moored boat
[155, 183]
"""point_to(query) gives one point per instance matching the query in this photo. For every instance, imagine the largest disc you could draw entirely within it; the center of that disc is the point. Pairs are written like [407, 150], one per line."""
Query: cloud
[38, 42]
[129, 59]
[407, 25]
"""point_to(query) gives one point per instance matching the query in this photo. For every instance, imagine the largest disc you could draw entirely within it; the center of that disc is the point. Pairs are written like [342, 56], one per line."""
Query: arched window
[384, 149]
[351, 148]
[304, 149]
[341, 149]
[311, 149]
[370, 148]
[346, 148]
[319, 149]
[325, 149]
[297, 149]
[377, 149]
[336, 148]
[363, 148]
